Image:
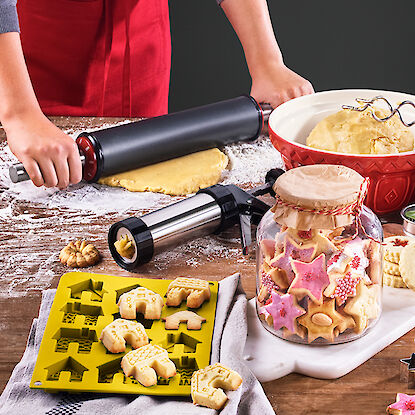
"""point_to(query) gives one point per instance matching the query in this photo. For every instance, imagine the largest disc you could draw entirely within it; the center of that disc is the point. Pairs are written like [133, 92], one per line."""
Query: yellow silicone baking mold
[71, 357]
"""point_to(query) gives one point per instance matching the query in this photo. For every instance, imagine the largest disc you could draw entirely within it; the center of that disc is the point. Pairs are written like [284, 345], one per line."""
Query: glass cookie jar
[319, 258]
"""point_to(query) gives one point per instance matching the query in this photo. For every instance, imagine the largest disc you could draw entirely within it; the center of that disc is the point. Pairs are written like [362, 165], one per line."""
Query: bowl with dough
[384, 152]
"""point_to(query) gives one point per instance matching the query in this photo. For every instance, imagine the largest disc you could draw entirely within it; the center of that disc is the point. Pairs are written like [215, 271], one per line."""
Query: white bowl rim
[334, 92]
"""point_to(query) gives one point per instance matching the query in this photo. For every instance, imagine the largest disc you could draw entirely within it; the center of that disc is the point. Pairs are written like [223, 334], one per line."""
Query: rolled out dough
[179, 176]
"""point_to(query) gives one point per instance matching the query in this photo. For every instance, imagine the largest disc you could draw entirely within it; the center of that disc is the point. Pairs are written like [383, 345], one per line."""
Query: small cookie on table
[407, 265]
[79, 254]
[394, 246]
[193, 290]
[206, 384]
[393, 281]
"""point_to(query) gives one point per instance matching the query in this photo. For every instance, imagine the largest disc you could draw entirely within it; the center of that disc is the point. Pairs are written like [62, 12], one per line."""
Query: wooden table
[367, 390]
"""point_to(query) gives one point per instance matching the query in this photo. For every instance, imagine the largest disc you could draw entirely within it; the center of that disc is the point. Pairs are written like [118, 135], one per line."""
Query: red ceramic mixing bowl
[392, 176]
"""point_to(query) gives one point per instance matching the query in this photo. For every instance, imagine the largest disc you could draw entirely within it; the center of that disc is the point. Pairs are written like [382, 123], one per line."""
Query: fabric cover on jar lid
[319, 196]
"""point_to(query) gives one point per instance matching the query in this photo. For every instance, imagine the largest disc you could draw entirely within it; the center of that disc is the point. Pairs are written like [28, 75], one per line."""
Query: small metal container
[408, 222]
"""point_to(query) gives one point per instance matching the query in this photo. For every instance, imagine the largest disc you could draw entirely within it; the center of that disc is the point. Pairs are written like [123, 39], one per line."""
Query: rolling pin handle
[18, 173]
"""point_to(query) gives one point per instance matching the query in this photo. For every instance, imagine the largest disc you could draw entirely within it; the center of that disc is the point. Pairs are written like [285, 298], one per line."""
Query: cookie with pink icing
[284, 311]
[342, 286]
[310, 279]
[292, 250]
[404, 405]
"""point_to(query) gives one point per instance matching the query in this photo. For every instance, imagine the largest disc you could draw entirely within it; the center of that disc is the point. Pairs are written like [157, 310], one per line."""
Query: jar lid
[319, 196]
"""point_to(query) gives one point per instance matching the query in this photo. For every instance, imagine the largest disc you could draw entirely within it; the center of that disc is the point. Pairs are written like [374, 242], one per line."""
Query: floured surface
[37, 223]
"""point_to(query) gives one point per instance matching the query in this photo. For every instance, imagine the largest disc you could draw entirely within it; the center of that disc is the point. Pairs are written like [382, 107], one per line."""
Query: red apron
[98, 57]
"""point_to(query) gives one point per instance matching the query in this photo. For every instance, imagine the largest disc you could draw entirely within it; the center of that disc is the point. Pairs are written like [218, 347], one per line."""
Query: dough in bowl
[180, 176]
[357, 132]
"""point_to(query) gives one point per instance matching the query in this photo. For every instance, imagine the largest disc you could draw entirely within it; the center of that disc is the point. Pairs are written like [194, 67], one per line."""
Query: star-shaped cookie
[292, 250]
[404, 405]
[284, 310]
[321, 320]
[364, 306]
[277, 275]
[310, 279]
[342, 286]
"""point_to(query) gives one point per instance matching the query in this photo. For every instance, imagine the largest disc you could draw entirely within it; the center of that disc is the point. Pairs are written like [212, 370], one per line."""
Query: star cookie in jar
[319, 267]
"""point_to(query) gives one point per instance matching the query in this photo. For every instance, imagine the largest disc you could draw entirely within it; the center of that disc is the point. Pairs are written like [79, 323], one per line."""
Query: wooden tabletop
[33, 237]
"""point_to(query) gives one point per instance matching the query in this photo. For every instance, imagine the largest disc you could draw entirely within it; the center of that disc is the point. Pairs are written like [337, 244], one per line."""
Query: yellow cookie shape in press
[146, 363]
[140, 300]
[206, 384]
[194, 290]
[116, 334]
[125, 247]
[407, 265]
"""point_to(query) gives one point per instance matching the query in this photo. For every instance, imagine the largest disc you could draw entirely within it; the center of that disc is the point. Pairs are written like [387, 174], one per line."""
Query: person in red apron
[106, 58]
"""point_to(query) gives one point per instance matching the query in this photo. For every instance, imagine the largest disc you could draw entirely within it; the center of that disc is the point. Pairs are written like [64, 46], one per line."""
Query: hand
[50, 157]
[278, 84]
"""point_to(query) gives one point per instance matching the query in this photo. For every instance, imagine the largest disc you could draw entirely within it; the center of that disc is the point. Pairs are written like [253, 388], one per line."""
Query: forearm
[251, 22]
[17, 96]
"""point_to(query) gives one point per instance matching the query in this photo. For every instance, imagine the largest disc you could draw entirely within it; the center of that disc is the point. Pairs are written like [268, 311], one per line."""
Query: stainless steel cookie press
[211, 210]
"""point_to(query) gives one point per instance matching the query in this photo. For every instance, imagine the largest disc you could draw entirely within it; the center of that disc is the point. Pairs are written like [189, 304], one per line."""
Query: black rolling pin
[138, 144]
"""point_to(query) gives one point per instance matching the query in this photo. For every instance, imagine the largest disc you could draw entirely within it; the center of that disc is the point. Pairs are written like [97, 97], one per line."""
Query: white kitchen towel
[227, 347]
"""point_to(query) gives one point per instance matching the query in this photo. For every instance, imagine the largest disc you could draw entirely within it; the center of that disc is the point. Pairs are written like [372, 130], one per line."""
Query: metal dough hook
[367, 103]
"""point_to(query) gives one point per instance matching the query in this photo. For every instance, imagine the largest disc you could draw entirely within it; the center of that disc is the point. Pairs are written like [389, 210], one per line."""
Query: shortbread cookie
[79, 254]
[140, 300]
[404, 405]
[407, 265]
[116, 334]
[364, 306]
[125, 247]
[194, 290]
[394, 246]
[193, 320]
[143, 363]
[321, 320]
[391, 268]
[393, 281]
[206, 382]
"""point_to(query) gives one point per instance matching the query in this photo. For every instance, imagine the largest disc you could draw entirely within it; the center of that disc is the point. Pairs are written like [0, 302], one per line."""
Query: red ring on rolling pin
[91, 165]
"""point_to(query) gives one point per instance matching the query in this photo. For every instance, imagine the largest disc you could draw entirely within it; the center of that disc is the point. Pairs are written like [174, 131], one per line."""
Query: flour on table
[38, 214]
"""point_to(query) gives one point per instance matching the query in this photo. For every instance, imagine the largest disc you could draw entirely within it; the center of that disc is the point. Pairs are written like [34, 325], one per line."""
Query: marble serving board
[270, 357]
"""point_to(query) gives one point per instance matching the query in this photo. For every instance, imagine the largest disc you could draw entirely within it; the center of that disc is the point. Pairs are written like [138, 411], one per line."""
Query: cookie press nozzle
[134, 241]
[364, 104]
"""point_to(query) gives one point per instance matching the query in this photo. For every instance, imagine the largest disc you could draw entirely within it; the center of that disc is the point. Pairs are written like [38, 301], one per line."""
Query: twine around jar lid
[319, 196]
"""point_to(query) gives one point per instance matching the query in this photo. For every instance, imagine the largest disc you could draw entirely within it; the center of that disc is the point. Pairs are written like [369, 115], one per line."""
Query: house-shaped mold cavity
[90, 313]
[84, 337]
